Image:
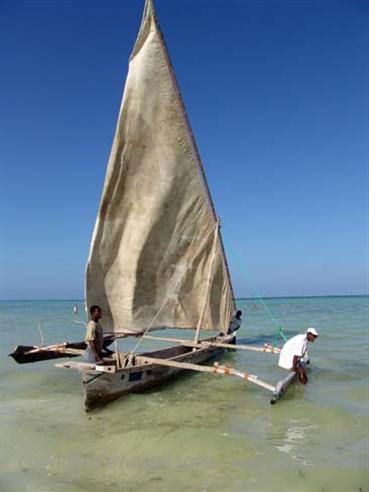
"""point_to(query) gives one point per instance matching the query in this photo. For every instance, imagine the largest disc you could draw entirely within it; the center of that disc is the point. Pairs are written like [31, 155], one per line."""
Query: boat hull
[101, 388]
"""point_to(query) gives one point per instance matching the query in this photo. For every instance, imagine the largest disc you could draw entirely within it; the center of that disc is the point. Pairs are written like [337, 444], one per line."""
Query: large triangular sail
[156, 253]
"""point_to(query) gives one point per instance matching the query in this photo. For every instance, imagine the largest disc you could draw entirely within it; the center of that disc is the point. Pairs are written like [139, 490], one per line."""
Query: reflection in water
[294, 438]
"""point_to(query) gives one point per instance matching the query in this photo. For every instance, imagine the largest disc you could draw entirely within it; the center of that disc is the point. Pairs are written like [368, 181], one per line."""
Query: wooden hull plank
[102, 388]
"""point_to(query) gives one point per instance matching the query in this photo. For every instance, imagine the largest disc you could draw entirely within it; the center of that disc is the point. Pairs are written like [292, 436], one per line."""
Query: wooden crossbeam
[216, 369]
[58, 347]
[204, 344]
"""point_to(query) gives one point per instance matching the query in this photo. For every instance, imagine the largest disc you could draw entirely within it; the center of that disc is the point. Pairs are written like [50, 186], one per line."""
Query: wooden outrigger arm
[204, 343]
[215, 369]
[189, 366]
[33, 354]
[140, 360]
[278, 390]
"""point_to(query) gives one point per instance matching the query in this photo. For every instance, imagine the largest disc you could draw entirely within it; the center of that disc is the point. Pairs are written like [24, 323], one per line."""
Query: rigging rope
[279, 329]
[44, 320]
[189, 266]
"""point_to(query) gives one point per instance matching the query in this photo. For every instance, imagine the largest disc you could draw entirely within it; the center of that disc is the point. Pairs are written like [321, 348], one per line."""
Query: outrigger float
[157, 259]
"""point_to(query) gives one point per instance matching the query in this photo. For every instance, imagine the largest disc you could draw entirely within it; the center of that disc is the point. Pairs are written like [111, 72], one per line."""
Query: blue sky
[277, 95]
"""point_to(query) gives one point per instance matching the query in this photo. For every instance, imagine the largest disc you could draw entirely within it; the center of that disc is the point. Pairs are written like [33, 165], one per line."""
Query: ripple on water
[201, 432]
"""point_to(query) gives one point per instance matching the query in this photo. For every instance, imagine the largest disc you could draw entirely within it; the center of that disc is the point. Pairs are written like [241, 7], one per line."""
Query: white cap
[312, 331]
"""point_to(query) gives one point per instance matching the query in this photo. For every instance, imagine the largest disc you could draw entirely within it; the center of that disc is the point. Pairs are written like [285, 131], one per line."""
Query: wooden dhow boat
[156, 259]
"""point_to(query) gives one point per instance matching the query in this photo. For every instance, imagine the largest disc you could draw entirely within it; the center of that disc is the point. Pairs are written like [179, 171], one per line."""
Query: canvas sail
[155, 250]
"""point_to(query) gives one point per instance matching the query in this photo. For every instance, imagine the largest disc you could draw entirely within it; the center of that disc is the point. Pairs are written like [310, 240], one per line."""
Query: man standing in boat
[294, 351]
[94, 335]
[235, 323]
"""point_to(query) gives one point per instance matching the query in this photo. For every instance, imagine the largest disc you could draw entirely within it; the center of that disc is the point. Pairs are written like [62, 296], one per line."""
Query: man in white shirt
[294, 350]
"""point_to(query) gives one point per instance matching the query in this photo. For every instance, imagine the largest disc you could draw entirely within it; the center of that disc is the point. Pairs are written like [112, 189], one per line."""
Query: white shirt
[295, 346]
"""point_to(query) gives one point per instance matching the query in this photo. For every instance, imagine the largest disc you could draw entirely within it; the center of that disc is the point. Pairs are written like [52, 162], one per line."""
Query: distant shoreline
[237, 298]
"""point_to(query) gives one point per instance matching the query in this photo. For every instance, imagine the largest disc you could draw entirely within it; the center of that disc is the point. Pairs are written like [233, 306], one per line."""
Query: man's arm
[92, 344]
[299, 369]
[91, 340]
[296, 359]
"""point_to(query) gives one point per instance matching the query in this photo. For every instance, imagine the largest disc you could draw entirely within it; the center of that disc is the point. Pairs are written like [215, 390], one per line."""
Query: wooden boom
[204, 343]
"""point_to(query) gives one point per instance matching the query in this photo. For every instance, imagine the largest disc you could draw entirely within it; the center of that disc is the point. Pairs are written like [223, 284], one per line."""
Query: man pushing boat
[294, 352]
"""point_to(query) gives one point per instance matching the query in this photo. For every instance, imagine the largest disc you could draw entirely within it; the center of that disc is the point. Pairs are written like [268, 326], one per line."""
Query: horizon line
[241, 298]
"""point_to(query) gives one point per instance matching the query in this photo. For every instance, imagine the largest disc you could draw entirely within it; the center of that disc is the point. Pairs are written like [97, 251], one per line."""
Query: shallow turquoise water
[201, 433]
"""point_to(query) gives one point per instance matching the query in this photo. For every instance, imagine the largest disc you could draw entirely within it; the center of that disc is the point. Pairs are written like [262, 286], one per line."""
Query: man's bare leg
[302, 375]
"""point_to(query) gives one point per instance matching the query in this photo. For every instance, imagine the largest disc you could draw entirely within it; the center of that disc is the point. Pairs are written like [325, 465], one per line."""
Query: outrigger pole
[277, 391]
[215, 369]
[25, 354]
[204, 343]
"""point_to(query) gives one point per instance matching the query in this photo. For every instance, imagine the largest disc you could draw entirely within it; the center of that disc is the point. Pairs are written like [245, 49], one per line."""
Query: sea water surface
[202, 432]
